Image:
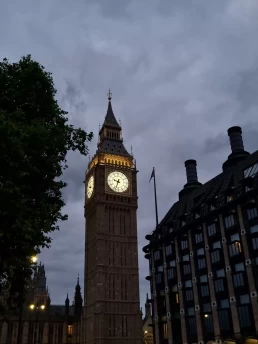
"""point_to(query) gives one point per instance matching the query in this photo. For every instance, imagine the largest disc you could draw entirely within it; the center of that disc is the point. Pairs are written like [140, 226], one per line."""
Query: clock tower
[111, 299]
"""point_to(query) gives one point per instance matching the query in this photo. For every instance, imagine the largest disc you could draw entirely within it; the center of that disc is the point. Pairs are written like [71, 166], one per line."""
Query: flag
[152, 174]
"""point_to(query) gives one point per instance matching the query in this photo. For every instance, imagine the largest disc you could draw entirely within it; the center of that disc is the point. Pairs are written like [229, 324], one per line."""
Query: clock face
[117, 181]
[90, 187]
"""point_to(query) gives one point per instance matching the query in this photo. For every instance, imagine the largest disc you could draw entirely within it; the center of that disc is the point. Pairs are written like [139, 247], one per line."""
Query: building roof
[211, 193]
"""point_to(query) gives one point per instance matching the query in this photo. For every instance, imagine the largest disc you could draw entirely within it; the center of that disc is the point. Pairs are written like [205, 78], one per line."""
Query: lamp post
[33, 260]
[37, 308]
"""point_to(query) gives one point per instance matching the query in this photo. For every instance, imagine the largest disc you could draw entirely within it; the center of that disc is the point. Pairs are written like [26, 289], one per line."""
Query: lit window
[251, 171]
[235, 249]
[70, 330]
[177, 298]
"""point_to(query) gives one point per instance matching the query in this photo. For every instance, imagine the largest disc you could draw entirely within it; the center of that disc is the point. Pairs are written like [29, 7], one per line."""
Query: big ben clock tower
[111, 309]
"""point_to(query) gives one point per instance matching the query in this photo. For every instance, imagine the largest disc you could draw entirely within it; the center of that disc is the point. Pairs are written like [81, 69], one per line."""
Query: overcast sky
[181, 73]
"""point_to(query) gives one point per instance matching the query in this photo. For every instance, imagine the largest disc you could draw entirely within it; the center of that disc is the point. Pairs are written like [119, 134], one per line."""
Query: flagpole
[156, 205]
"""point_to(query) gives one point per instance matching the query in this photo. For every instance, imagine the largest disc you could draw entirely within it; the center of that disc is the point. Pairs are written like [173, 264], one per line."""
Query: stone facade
[112, 309]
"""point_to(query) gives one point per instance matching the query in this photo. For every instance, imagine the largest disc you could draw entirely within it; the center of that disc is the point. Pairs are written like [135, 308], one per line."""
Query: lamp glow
[32, 306]
[34, 259]
[42, 307]
[206, 315]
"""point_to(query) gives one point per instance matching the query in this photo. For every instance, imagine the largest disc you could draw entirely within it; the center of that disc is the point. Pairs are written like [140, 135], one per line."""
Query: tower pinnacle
[109, 95]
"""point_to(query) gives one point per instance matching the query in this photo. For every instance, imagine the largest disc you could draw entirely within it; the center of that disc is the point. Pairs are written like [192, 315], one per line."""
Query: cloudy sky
[181, 73]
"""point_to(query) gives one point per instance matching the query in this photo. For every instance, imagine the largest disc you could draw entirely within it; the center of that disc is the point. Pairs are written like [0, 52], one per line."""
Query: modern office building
[203, 256]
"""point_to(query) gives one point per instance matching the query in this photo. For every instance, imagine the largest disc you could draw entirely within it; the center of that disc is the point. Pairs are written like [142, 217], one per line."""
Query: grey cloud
[181, 75]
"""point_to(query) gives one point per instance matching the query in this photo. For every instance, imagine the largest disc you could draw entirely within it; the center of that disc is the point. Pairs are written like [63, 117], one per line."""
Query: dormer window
[251, 171]
[197, 215]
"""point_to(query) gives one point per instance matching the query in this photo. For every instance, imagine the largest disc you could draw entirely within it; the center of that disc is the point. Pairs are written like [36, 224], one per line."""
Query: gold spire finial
[109, 95]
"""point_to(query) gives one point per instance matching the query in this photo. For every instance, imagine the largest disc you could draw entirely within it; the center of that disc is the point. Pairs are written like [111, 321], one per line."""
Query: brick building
[203, 256]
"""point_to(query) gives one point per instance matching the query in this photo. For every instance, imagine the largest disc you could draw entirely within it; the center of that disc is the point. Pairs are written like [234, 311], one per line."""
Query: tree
[35, 138]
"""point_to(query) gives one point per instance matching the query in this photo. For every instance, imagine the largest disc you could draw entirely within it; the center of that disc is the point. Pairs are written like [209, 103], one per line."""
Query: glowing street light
[34, 259]
[32, 306]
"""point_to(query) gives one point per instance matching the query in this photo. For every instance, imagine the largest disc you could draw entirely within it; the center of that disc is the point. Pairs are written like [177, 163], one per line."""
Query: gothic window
[212, 229]
[252, 213]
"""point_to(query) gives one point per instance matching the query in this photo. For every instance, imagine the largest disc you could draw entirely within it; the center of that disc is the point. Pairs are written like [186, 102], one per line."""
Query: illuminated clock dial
[117, 181]
[90, 187]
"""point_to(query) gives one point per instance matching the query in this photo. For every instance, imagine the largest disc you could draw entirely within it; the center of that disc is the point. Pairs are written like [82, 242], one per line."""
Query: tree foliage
[35, 138]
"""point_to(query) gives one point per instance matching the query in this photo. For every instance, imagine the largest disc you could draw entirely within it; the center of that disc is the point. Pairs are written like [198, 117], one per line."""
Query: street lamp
[34, 259]
[37, 308]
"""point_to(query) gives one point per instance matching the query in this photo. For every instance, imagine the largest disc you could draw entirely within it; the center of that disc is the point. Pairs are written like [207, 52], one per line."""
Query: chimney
[236, 141]
[192, 178]
[237, 147]
[191, 171]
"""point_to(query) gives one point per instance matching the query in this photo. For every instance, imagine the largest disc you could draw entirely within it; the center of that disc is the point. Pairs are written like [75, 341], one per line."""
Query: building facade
[40, 321]
[147, 323]
[112, 309]
[203, 256]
